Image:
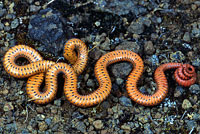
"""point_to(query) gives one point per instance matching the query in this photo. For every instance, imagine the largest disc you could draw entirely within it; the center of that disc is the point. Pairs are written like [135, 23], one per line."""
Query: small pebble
[42, 126]
[90, 83]
[57, 102]
[126, 127]
[97, 23]
[34, 8]
[14, 23]
[119, 81]
[125, 101]
[40, 110]
[48, 121]
[8, 106]
[136, 28]
[106, 44]
[154, 60]
[81, 126]
[195, 89]
[149, 48]
[177, 56]
[98, 124]
[186, 104]
[186, 37]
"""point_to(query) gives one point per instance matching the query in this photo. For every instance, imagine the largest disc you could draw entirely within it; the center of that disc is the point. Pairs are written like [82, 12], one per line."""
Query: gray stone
[42, 126]
[55, 127]
[195, 88]
[121, 70]
[10, 16]
[118, 7]
[105, 45]
[1, 26]
[34, 8]
[128, 45]
[186, 104]
[186, 37]
[14, 23]
[136, 28]
[178, 55]
[149, 48]
[57, 102]
[98, 124]
[2, 12]
[119, 81]
[47, 28]
[90, 83]
[48, 121]
[196, 62]
[190, 124]
[81, 126]
[77, 115]
[154, 60]
[125, 101]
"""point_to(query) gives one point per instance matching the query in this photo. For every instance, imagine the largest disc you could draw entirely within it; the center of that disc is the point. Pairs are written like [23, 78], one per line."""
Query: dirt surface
[159, 31]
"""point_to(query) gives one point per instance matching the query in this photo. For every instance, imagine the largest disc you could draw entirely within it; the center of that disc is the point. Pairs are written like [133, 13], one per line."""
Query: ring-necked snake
[185, 74]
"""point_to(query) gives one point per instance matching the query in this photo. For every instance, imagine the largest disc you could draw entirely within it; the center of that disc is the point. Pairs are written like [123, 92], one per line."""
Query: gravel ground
[160, 31]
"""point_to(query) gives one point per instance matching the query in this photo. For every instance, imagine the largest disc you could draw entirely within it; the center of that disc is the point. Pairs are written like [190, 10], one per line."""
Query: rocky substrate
[159, 31]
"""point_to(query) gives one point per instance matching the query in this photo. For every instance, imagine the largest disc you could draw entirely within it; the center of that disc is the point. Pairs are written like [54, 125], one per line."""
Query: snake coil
[35, 71]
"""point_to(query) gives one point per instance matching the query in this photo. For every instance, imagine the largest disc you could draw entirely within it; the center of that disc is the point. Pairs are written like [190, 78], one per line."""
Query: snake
[76, 53]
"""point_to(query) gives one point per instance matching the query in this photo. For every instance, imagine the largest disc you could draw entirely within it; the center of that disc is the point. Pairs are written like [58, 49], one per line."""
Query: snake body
[185, 74]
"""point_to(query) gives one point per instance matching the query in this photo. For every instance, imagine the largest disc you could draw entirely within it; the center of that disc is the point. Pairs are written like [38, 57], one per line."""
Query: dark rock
[34, 8]
[90, 83]
[178, 91]
[40, 110]
[48, 121]
[195, 89]
[129, 45]
[149, 48]
[154, 60]
[55, 127]
[119, 81]
[81, 126]
[1, 5]
[125, 101]
[190, 124]
[47, 28]
[14, 23]
[77, 115]
[42, 126]
[196, 117]
[186, 37]
[121, 70]
[196, 62]
[10, 16]
[1, 26]
[136, 28]
[11, 127]
[2, 12]
[57, 102]
[105, 105]
[118, 7]
[1, 130]
[95, 54]
[25, 131]
[98, 124]
[106, 44]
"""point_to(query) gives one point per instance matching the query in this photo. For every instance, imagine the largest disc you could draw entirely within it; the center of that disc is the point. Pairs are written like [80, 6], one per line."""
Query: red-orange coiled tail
[185, 76]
